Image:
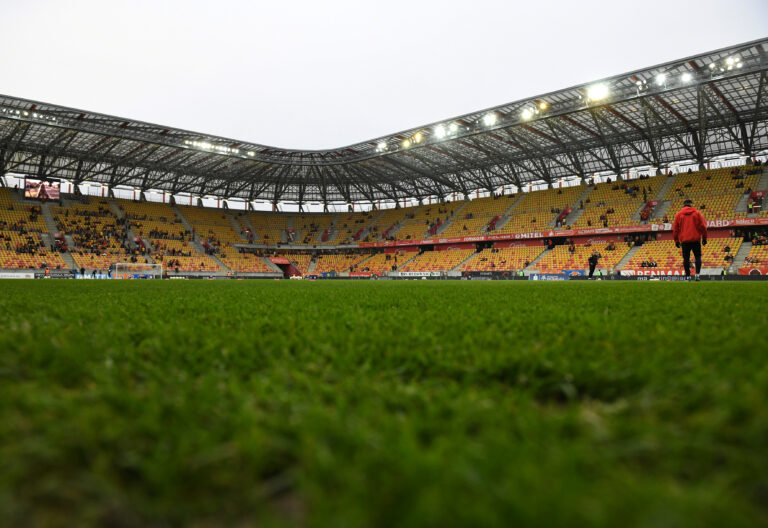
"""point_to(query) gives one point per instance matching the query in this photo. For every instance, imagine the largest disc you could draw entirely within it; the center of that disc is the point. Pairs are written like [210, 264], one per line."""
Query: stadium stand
[299, 260]
[170, 242]
[269, 228]
[503, 259]
[438, 260]
[311, 228]
[382, 262]
[350, 226]
[420, 220]
[757, 257]
[338, 263]
[21, 243]
[387, 222]
[663, 254]
[244, 262]
[537, 210]
[714, 192]
[100, 238]
[613, 204]
[574, 257]
[476, 215]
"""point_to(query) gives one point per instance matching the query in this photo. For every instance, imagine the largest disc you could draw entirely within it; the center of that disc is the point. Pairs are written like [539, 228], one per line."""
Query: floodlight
[686, 77]
[739, 65]
[251, 153]
[440, 131]
[417, 137]
[454, 127]
[406, 143]
[661, 79]
[26, 113]
[729, 61]
[489, 119]
[543, 105]
[527, 114]
[597, 92]
[712, 66]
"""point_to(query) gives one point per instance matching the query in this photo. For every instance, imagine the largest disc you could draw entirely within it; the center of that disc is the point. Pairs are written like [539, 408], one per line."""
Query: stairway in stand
[625, 260]
[740, 257]
[532, 266]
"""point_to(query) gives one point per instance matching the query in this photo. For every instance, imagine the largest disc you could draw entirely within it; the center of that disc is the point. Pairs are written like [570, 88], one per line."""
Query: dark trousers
[687, 248]
[592, 266]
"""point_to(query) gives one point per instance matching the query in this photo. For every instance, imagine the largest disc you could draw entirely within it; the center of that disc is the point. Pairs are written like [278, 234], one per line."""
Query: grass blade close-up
[210, 403]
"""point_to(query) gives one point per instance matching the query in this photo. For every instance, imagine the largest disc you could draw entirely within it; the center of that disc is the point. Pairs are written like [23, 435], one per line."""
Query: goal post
[136, 270]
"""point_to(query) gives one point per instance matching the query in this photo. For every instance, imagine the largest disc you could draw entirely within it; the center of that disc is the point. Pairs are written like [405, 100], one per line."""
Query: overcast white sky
[322, 74]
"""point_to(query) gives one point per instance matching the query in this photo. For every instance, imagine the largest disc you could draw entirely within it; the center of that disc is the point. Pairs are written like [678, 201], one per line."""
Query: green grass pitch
[391, 404]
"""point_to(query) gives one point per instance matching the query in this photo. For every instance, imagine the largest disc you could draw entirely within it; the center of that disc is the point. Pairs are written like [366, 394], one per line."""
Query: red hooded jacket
[689, 225]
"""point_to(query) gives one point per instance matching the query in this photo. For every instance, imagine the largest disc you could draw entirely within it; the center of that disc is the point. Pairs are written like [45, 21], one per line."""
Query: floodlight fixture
[453, 128]
[490, 119]
[712, 66]
[418, 137]
[686, 77]
[406, 143]
[543, 105]
[596, 92]
[440, 131]
[526, 114]
[661, 79]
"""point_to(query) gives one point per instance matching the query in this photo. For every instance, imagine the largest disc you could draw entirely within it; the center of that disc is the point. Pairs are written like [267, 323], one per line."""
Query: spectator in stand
[689, 230]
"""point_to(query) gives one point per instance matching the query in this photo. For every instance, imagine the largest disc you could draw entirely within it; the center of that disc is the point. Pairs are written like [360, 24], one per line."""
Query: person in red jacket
[690, 231]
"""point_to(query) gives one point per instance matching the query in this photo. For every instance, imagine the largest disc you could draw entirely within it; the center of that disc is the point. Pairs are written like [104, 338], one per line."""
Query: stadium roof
[691, 109]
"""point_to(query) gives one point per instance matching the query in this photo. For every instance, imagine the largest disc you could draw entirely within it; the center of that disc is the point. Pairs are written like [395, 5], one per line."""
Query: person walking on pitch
[690, 232]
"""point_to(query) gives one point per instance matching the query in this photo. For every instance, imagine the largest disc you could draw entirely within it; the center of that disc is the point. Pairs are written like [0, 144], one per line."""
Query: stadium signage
[651, 272]
[712, 224]
[16, 275]
[753, 271]
[548, 277]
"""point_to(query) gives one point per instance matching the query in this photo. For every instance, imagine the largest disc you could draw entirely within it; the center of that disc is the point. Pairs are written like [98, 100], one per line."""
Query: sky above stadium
[308, 74]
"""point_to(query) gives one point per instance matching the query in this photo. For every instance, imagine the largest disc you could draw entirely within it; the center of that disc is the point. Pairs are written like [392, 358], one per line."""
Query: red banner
[280, 260]
[651, 272]
[753, 271]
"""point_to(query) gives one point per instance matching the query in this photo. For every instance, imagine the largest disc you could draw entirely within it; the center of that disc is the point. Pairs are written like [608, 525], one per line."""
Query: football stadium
[481, 321]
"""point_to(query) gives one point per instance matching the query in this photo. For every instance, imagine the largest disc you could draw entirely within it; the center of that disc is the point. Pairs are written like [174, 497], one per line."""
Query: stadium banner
[518, 244]
[55, 274]
[711, 224]
[548, 277]
[418, 273]
[574, 273]
[487, 274]
[753, 271]
[651, 272]
[280, 260]
[16, 275]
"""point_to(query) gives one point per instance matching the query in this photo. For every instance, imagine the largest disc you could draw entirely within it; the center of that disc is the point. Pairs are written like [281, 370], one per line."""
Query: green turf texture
[392, 404]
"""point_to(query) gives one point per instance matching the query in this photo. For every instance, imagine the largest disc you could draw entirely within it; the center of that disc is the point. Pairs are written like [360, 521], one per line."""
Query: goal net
[130, 270]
